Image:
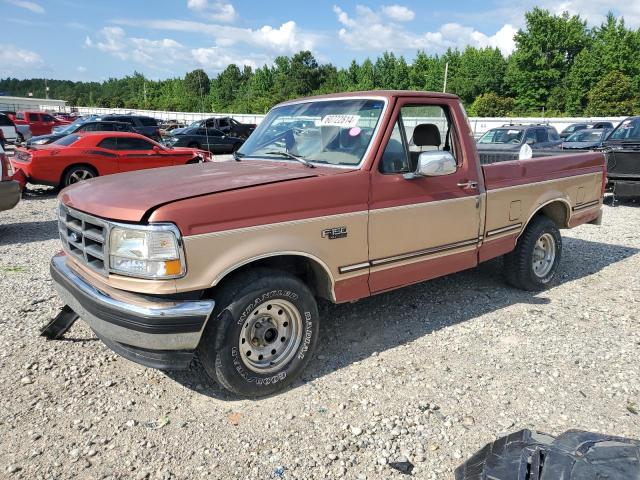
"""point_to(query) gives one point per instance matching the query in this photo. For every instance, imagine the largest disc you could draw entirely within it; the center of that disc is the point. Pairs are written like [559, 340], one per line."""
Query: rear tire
[532, 265]
[262, 334]
[78, 173]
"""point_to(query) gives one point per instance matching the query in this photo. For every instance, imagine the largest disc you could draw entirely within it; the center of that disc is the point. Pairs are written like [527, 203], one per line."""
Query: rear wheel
[263, 334]
[77, 174]
[532, 265]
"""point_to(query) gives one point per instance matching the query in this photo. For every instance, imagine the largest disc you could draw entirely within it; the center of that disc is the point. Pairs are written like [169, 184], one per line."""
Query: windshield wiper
[303, 161]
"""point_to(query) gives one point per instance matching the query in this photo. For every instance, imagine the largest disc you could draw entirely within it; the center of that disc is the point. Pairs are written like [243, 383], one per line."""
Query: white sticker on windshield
[343, 121]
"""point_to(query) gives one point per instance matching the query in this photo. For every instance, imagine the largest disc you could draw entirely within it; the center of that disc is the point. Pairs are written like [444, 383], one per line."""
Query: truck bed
[568, 188]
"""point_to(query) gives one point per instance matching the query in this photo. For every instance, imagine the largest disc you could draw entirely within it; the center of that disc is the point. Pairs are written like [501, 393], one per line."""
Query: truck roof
[388, 94]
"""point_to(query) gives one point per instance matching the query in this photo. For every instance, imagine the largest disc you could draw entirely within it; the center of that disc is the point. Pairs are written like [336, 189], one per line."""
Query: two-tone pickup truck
[362, 193]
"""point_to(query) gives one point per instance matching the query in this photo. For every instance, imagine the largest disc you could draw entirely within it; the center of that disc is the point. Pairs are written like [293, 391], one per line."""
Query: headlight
[153, 252]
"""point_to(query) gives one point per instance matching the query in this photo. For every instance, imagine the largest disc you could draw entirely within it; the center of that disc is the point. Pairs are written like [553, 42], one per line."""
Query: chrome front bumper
[133, 325]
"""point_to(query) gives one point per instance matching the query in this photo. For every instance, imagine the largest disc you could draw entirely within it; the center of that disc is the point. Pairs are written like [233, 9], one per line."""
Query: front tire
[263, 334]
[532, 265]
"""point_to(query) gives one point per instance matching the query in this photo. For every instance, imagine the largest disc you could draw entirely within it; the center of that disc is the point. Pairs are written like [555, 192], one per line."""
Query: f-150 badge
[334, 233]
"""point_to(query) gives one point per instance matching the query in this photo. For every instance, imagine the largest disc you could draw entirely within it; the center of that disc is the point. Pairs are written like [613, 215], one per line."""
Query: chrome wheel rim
[270, 336]
[79, 176]
[544, 254]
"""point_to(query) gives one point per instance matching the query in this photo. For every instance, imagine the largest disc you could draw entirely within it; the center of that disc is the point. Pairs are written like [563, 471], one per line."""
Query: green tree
[611, 96]
[491, 105]
[197, 83]
[545, 51]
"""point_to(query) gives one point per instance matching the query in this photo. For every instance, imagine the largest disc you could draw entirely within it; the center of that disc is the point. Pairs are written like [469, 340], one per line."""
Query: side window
[148, 121]
[5, 122]
[89, 127]
[110, 143]
[553, 135]
[530, 136]
[541, 135]
[224, 122]
[19, 116]
[125, 143]
[47, 118]
[34, 117]
[394, 159]
[420, 128]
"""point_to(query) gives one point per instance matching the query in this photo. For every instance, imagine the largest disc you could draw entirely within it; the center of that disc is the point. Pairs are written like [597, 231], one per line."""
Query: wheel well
[308, 270]
[557, 211]
[89, 166]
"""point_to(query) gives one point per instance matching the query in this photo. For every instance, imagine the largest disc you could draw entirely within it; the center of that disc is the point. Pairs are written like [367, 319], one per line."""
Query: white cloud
[217, 10]
[14, 59]
[369, 31]
[398, 13]
[32, 6]
[595, 12]
[166, 53]
[216, 58]
[81, 69]
[285, 39]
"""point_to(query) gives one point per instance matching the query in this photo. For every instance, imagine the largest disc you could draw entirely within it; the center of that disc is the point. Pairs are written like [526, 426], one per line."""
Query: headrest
[426, 134]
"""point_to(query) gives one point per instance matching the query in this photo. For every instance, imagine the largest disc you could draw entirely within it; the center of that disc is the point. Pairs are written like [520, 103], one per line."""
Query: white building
[29, 103]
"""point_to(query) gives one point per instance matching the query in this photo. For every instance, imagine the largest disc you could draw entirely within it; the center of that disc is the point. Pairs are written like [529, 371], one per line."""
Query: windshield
[334, 132]
[586, 136]
[627, 130]
[66, 141]
[502, 135]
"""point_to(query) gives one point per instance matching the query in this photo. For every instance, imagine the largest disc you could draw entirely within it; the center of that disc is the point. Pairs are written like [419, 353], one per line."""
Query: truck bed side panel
[567, 187]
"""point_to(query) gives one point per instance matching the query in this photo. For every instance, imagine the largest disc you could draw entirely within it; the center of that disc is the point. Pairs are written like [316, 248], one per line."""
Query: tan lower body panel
[210, 257]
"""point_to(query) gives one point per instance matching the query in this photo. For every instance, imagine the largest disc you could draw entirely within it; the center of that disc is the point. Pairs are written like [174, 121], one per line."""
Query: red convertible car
[81, 156]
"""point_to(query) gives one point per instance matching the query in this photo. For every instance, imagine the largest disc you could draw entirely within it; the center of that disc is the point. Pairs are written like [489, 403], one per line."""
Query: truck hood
[129, 196]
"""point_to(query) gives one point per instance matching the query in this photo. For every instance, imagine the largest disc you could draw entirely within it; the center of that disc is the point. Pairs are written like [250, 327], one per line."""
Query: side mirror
[434, 164]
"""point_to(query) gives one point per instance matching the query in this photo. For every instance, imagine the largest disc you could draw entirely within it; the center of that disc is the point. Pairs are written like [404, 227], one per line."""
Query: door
[35, 123]
[48, 122]
[422, 227]
[138, 154]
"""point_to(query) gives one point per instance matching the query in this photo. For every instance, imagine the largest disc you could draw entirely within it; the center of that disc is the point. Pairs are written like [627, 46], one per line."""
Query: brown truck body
[353, 231]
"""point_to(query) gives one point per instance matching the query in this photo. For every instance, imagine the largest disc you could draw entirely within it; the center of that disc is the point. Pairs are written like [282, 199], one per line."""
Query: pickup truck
[376, 191]
[227, 125]
[623, 154]
[40, 123]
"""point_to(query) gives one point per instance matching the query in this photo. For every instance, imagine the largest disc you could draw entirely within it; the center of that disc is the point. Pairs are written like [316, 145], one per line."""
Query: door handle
[469, 184]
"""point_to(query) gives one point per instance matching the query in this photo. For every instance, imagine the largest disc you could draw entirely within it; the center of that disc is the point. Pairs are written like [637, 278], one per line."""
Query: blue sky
[95, 40]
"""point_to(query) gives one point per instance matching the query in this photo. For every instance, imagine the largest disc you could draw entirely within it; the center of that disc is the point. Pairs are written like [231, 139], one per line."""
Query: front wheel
[532, 265]
[263, 334]
[77, 174]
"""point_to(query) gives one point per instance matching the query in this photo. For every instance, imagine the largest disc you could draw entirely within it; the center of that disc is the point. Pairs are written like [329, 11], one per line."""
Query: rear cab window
[34, 117]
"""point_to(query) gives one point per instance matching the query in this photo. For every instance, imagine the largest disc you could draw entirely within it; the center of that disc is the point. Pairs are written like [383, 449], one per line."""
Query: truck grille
[84, 237]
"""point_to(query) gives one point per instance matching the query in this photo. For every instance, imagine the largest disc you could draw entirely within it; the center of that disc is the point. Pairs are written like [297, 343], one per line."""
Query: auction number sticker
[343, 121]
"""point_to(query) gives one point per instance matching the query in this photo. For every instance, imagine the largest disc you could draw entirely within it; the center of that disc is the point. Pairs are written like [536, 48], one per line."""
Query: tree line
[560, 66]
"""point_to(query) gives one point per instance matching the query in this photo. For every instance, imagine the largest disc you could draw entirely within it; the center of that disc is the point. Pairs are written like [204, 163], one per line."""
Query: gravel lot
[431, 373]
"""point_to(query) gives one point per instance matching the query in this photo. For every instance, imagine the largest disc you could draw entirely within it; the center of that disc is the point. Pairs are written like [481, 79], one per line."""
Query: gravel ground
[431, 372]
